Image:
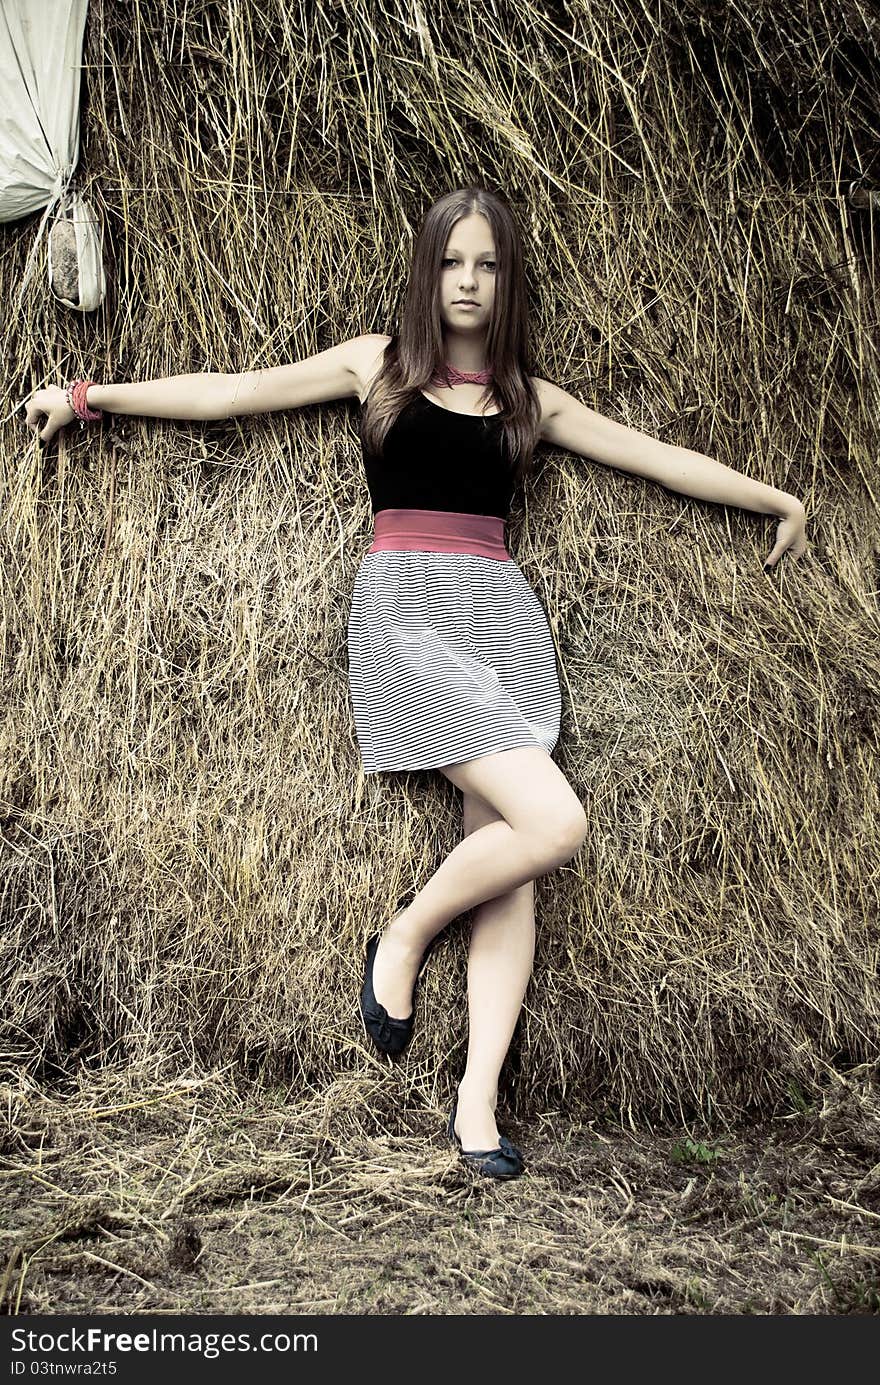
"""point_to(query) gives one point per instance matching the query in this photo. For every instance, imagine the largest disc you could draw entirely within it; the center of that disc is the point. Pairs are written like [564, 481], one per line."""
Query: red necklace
[453, 376]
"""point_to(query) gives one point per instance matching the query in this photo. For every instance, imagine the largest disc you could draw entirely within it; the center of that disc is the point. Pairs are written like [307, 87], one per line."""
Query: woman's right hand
[47, 412]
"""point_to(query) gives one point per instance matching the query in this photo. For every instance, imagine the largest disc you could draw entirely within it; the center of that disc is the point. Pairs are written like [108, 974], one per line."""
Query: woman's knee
[560, 830]
[554, 827]
[527, 790]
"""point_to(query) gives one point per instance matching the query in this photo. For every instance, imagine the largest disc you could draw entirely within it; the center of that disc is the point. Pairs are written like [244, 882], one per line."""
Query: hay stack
[190, 861]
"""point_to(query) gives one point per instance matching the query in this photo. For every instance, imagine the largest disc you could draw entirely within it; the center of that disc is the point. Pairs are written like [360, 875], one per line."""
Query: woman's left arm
[566, 422]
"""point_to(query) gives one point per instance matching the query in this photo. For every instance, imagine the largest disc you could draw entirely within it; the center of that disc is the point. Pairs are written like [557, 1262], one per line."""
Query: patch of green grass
[851, 1292]
[695, 1295]
[690, 1151]
[769, 1207]
[800, 1102]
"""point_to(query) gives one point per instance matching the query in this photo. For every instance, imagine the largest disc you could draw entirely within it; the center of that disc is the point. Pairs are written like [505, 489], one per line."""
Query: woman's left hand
[790, 535]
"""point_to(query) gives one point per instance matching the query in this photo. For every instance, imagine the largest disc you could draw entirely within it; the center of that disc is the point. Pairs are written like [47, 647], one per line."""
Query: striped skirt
[450, 655]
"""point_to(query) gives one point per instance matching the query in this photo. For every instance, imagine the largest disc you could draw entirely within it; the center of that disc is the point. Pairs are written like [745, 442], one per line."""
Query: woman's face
[467, 272]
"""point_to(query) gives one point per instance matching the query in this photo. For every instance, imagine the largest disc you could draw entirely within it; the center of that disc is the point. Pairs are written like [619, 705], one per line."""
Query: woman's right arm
[335, 373]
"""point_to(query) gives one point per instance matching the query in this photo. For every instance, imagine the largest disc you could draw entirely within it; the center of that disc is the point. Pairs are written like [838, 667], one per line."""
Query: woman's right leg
[501, 951]
[541, 825]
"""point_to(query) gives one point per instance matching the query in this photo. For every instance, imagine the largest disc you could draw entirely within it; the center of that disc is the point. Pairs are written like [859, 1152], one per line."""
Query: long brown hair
[412, 357]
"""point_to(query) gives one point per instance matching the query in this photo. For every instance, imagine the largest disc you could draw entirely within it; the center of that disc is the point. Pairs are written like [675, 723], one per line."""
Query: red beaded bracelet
[77, 398]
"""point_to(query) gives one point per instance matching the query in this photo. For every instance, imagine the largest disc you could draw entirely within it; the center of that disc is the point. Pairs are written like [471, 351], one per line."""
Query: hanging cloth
[40, 62]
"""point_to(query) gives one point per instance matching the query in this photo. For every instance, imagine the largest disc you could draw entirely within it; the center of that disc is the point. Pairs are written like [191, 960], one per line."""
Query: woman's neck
[465, 353]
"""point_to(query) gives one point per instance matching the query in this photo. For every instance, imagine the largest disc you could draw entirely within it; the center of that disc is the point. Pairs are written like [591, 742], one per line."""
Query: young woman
[451, 661]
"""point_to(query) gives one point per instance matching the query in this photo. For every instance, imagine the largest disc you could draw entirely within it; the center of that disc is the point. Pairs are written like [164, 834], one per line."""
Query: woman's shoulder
[369, 351]
[550, 398]
[544, 389]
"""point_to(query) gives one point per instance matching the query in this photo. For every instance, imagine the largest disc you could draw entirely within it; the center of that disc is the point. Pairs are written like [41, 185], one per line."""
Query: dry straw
[162, 1190]
[191, 861]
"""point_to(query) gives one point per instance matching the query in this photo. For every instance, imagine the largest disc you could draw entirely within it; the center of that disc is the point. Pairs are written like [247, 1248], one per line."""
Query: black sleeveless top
[435, 459]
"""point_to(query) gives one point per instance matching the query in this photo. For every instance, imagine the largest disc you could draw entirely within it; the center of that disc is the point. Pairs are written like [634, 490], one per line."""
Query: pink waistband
[439, 531]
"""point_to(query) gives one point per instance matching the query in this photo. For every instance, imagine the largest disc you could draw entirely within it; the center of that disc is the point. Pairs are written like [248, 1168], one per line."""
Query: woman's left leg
[500, 957]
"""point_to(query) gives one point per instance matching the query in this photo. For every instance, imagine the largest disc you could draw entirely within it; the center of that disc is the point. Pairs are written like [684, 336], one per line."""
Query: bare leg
[500, 957]
[489, 862]
[494, 868]
[543, 826]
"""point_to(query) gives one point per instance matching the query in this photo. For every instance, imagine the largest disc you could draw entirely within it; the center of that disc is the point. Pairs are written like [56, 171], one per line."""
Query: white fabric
[40, 61]
[41, 51]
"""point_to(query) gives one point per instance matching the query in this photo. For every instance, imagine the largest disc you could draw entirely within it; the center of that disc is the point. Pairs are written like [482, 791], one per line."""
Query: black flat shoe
[504, 1162]
[388, 1034]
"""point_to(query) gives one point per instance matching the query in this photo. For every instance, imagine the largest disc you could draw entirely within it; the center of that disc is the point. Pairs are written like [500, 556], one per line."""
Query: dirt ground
[189, 1198]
